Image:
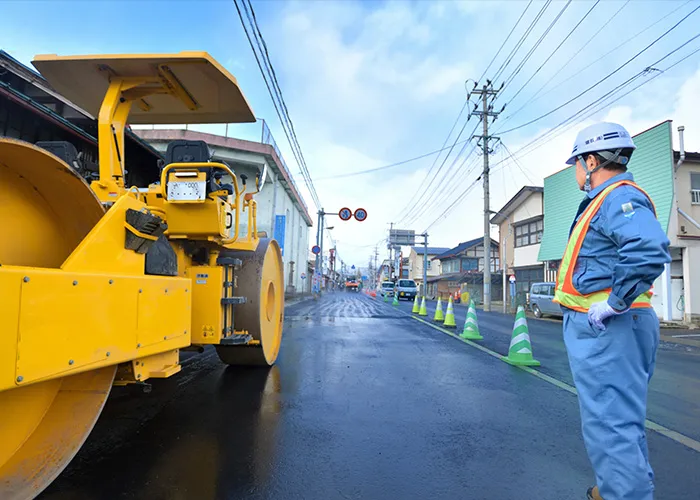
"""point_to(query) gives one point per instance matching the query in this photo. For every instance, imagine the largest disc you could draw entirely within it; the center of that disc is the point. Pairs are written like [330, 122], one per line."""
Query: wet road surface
[674, 392]
[364, 403]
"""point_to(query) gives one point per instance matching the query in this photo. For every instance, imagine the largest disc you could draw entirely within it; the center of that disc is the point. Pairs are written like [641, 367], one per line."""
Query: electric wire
[534, 120]
[576, 26]
[520, 42]
[409, 205]
[532, 50]
[548, 135]
[505, 41]
[591, 64]
[275, 94]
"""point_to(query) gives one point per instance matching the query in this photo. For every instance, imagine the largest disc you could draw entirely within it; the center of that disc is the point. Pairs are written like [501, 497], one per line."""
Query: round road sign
[512, 278]
[345, 213]
[360, 214]
[303, 276]
[316, 249]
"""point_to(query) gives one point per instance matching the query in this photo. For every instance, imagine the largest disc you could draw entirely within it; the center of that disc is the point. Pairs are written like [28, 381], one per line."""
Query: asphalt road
[364, 403]
[674, 392]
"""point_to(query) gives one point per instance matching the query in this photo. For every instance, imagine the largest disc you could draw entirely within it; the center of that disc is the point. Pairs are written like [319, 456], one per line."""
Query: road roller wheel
[261, 282]
[46, 210]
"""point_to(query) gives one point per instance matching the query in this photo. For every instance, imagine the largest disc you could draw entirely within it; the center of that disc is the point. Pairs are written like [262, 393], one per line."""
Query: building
[520, 226]
[462, 270]
[415, 263]
[672, 180]
[281, 210]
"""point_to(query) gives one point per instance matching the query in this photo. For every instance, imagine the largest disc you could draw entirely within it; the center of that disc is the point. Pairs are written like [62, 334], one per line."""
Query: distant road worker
[616, 250]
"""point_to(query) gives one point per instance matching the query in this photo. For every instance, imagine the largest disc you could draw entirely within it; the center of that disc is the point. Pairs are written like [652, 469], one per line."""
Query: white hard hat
[599, 137]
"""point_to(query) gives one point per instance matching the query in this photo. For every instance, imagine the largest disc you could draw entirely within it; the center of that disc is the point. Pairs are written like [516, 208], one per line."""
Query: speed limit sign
[360, 214]
[345, 214]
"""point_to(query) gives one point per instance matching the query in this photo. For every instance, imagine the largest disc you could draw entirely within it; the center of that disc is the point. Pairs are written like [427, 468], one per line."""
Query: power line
[386, 167]
[419, 215]
[602, 79]
[430, 170]
[557, 47]
[527, 57]
[412, 213]
[600, 105]
[275, 92]
[415, 206]
[520, 42]
[573, 58]
[506, 40]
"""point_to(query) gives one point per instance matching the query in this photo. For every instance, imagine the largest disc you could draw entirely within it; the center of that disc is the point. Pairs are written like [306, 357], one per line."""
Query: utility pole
[486, 91]
[425, 264]
[319, 255]
[376, 269]
[391, 252]
[321, 245]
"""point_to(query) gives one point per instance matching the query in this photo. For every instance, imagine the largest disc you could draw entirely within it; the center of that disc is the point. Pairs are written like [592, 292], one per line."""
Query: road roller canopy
[199, 89]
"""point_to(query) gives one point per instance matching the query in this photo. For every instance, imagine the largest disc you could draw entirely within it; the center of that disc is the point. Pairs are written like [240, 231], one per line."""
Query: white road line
[665, 431]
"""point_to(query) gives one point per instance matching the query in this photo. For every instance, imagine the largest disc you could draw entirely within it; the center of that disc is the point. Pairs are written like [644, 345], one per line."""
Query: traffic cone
[416, 306]
[423, 310]
[395, 302]
[439, 316]
[385, 299]
[520, 350]
[450, 315]
[471, 326]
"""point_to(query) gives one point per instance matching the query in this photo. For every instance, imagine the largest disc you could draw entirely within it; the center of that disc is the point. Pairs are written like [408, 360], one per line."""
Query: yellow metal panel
[207, 312]
[163, 311]
[71, 322]
[103, 250]
[84, 80]
[10, 284]
[204, 220]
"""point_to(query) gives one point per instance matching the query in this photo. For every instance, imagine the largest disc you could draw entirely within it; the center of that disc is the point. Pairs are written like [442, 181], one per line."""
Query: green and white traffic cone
[416, 306]
[385, 299]
[395, 302]
[471, 326]
[423, 309]
[450, 315]
[439, 315]
[520, 351]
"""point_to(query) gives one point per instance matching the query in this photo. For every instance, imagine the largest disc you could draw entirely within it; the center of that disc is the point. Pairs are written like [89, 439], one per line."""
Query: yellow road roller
[103, 284]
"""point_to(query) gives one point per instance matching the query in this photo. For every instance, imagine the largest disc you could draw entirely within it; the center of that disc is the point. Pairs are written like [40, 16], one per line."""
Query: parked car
[406, 289]
[541, 300]
[387, 289]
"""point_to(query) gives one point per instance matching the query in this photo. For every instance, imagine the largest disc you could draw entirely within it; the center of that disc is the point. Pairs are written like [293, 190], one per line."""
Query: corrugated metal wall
[652, 167]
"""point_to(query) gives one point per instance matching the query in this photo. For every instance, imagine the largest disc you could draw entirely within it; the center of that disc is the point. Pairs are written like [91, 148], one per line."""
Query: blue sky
[372, 83]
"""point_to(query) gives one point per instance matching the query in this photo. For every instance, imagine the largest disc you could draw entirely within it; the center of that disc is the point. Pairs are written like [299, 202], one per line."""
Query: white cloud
[372, 85]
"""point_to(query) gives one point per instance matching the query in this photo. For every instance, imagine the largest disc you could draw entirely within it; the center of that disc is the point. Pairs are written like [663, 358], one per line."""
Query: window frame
[530, 230]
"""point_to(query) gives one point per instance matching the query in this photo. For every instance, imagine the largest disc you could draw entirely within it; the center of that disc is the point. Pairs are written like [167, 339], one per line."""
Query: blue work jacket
[625, 248]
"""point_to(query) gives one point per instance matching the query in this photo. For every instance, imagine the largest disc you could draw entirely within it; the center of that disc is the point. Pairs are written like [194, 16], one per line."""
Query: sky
[369, 84]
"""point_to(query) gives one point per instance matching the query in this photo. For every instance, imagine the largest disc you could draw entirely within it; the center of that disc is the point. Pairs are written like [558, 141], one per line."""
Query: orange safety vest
[566, 294]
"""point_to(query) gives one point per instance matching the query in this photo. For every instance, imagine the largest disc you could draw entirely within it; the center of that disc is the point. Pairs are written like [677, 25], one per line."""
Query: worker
[616, 250]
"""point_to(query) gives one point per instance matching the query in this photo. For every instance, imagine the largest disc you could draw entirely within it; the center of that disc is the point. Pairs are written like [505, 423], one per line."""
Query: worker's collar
[625, 176]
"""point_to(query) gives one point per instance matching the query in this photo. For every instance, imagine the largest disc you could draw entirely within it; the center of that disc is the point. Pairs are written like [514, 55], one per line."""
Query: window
[695, 188]
[529, 233]
[470, 264]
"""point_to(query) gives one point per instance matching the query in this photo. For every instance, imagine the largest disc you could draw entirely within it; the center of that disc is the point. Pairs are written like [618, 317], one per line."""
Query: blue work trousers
[611, 370]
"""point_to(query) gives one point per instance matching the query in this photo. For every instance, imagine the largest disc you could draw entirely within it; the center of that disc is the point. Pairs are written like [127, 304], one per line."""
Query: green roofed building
[672, 179]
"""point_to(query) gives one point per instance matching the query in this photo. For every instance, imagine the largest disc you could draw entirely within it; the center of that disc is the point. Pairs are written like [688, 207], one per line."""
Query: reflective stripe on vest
[566, 293]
